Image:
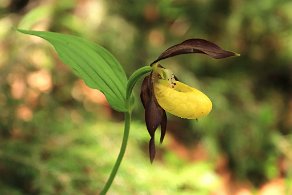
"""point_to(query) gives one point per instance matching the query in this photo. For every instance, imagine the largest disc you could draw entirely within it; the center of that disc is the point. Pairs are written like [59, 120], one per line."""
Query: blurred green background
[57, 136]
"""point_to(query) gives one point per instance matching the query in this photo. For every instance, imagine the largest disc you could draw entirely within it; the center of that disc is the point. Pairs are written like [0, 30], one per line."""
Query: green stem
[131, 83]
[121, 154]
[135, 77]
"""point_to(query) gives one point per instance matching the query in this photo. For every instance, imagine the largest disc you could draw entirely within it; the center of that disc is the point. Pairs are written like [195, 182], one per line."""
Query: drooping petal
[153, 112]
[195, 46]
[182, 100]
[152, 150]
[145, 91]
[153, 116]
[163, 126]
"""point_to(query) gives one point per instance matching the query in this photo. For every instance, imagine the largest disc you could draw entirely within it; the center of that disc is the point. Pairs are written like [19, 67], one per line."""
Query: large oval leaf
[92, 63]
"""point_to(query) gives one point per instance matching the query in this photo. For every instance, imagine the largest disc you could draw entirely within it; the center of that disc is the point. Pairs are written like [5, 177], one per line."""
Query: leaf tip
[28, 32]
[21, 30]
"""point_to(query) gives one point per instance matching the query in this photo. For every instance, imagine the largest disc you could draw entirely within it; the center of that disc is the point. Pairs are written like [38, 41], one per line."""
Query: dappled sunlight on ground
[276, 186]
[228, 185]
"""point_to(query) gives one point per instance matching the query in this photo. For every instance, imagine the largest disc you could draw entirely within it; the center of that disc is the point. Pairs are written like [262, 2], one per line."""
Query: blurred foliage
[59, 137]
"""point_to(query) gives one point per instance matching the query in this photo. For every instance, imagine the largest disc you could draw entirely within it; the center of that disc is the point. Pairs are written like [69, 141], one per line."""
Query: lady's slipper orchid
[161, 91]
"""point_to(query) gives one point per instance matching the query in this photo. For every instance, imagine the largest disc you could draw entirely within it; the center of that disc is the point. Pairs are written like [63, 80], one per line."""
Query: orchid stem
[121, 154]
[130, 85]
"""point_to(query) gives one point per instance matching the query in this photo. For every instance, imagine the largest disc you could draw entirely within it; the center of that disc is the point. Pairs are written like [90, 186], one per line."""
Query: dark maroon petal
[163, 126]
[153, 112]
[145, 91]
[153, 116]
[195, 46]
[152, 149]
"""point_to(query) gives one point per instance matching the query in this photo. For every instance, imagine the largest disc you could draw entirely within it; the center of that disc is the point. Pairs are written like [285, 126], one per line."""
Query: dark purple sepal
[145, 91]
[163, 126]
[152, 150]
[195, 46]
[153, 116]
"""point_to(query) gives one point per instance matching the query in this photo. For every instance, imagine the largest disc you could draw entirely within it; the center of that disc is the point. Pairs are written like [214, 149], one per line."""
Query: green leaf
[92, 63]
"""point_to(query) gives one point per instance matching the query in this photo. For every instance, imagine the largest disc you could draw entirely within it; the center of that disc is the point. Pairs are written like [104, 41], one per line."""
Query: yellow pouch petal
[182, 100]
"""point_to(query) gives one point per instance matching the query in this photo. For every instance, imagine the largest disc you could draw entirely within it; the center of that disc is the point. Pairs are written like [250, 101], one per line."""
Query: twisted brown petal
[195, 46]
[153, 112]
[152, 150]
[145, 91]
[163, 126]
[153, 116]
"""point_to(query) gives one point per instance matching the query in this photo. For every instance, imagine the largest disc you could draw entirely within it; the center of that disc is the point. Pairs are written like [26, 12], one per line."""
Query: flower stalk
[121, 154]
[131, 83]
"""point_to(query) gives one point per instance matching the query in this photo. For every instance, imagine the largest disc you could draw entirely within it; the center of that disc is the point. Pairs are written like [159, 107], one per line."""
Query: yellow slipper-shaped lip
[182, 100]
